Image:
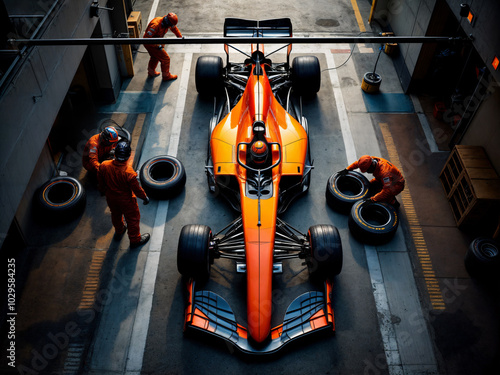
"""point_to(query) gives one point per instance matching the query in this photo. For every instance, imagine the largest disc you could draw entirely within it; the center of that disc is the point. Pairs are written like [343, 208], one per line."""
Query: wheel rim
[375, 215]
[349, 186]
[162, 171]
[489, 250]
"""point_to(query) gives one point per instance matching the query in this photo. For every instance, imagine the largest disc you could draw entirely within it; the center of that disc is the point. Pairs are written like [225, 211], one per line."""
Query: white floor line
[350, 150]
[379, 293]
[152, 13]
[143, 312]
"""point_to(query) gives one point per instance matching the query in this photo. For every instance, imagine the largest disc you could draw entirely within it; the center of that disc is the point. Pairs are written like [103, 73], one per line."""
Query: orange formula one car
[259, 159]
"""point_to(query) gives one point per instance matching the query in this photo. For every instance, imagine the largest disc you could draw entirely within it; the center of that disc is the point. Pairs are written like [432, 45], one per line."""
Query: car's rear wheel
[325, 257]
[193, 251]
[306, 75]
[373, 222]
[343, 190]
[209, 75]
[163, 177]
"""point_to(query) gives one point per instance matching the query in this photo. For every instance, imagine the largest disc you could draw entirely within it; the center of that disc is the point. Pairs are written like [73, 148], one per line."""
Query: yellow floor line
[357, 13]
[433, 289]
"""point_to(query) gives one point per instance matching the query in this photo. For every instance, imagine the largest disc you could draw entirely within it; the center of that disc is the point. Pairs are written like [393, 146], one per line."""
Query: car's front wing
[310, 312]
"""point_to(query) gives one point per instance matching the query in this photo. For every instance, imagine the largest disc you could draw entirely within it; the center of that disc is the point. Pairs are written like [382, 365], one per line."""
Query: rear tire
[306, 75]
[325, 259]
[163, 177]
[209, 75]
[342, 191]
[193, 251]
[373, 222]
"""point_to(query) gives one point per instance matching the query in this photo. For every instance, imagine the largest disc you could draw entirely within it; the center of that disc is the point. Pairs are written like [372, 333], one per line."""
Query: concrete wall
[32, 101]
[485, 128]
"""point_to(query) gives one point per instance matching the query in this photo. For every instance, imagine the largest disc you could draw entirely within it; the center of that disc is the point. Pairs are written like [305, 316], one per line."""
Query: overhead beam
[243, 40]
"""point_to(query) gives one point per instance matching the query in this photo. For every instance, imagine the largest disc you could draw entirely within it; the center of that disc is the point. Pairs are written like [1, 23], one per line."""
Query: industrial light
[495, 63]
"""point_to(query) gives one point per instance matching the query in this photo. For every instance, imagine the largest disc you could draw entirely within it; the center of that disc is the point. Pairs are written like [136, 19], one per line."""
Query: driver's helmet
[109, 135]
[259, 151]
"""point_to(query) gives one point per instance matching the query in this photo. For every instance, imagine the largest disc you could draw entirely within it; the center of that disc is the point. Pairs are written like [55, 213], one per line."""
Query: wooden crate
[472, 186]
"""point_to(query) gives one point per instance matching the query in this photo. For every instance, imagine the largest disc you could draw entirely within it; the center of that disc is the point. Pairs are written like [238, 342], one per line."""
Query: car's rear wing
[273, 28]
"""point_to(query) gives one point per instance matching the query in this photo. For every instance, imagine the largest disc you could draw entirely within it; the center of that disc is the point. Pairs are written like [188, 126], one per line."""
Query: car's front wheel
[193, 251]
[325, 257]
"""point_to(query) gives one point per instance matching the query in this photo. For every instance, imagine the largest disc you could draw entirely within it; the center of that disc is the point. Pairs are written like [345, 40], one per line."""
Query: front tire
[193, 251]
[373, 222]
[325, 258]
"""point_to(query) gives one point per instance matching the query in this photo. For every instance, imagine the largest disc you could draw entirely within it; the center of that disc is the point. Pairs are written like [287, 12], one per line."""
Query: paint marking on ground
[143, 312]
[357, 13]
[415, 228]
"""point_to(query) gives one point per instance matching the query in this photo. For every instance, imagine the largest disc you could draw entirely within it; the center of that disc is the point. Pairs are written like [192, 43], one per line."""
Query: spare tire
[343, 190]
[162, 177]
[482, 259]
[61, 198]
[373, 222]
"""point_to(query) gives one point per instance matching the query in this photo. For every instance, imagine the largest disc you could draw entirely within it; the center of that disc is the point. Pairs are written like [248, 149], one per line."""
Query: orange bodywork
[259, 223]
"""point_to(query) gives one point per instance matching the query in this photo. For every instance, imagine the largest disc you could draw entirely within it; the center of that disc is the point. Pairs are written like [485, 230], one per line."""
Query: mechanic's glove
[146, 201]
[343, 172]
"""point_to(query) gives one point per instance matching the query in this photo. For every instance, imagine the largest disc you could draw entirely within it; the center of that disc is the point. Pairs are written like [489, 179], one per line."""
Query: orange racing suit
[157, 52]
[387, 179]
[118, 181]
[95, 153]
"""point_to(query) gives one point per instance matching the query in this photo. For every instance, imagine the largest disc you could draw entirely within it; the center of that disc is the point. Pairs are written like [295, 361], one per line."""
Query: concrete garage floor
[88, 300]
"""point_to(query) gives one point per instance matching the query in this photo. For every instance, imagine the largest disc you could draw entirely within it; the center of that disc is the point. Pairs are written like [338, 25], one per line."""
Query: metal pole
[232, 40]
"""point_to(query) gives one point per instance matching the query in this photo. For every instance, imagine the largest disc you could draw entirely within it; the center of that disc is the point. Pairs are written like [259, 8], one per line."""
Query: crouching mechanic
[118, 181]
[387, 182]
[99, 148]
[157, 28]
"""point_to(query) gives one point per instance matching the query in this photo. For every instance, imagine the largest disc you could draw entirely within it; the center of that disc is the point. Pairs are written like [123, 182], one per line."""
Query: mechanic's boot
[153, 74]
[119, 235]
[169, 77]
[142, 241]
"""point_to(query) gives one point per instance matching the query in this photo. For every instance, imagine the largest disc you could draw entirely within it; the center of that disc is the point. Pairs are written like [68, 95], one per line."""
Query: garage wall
[31, 102]
[485, 128]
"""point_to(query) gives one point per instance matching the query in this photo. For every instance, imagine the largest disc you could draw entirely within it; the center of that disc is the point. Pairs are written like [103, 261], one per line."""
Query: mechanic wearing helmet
[118, 181]
[387, 182]
[98, 148]
[157, 28]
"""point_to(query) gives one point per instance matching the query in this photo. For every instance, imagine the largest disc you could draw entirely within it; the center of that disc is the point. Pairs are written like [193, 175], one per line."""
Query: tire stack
[373, 223]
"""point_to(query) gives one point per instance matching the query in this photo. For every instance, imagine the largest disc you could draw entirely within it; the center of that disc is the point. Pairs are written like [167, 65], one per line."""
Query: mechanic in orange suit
[118, 181]
[388, 180]
[98, 148]
[157, 28]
